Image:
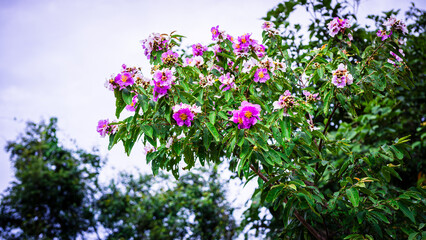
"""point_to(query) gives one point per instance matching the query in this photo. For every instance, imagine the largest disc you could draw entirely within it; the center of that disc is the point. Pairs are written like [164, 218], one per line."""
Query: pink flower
[267, 25]
[184, 113]
[338, 25]
[105, 128]
[198, 49]
[311, 97]
[227, 82]
[383, 34]
[131, 107]
[155, 42]
[124, 79]
[163, 79]
[285, 101]
[169, 57]
[215, 32]
[396, 24]
[397, 58]
[149, 148]
[341, 77]
[206, 81]
[261, 75]
[247, 115]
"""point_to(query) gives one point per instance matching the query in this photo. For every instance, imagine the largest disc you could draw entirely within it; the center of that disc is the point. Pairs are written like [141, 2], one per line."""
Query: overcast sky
[55, 56]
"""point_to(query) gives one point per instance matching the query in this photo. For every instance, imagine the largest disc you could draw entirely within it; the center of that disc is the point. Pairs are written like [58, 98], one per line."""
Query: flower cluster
[341, 77]
[311, 97]
[155, 42]
[131, 107]
[184, 113]
[104, 128]
[245, 45]
[286, 101]
[227, 82]
[169, 57]
[246, 115]
[198, 49]
[163, 79]
[206, 81]
[338, 25]
[392, 22]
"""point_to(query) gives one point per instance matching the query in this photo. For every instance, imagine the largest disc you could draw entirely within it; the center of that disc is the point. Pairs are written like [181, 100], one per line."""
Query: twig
[299, 217]
[327, 124]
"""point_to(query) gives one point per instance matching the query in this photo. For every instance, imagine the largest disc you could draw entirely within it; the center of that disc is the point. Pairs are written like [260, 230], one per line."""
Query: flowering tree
[250, 103]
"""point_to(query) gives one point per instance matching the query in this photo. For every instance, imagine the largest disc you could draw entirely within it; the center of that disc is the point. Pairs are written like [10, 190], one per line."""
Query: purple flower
[183, 116]
[163, 79]
[169, 57]
[215, 32]
[246, 115]
[198, 49]
[260, 50]
[311, 97]
[124, 79]
[397, 58]
[341, 77]
[230, 38]
[131, 107]
[383, 34]
[338, 25]
[267, 25]
[105, 128]
[261, 75]
[227, 82]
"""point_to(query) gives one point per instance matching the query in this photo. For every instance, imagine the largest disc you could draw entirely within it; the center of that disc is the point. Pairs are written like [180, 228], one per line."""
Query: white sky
[55, 56]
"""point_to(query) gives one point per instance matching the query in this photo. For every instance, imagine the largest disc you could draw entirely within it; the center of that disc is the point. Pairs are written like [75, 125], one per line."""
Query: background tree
[53, 194]
[147, 207]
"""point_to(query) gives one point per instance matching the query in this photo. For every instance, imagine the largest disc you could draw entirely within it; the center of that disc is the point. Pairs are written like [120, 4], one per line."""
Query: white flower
[169, 142]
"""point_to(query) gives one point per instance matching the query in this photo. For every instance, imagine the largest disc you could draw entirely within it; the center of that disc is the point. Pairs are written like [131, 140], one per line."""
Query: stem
[369, 58]
[296, 213]
[327, 124]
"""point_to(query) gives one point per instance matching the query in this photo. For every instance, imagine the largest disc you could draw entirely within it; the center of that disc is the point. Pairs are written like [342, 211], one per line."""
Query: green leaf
[119, 103]
[212, 117]
[213, 131]
[404, 209]
[286, 127]
[343, 168]
[207, 138]
[277, 135]
[380, 216]
[353, 196]
[272, 194]
[127, 96]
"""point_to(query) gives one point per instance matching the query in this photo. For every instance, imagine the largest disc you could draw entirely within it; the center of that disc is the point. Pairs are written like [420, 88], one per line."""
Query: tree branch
[299, 217]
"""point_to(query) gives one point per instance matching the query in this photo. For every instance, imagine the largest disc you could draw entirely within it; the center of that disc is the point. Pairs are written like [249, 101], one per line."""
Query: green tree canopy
[147, 207]
[52, 195]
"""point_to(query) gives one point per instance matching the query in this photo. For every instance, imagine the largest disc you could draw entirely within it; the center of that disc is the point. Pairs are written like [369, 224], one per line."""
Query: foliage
[155, 208]
[325, 168]
[53, 192]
